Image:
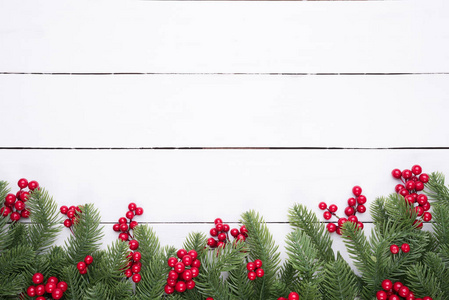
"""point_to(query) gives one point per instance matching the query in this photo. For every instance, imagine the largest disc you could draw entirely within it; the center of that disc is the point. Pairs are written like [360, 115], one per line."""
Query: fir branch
[340, 282]
[53, 262]
[16, 265]
[423, 282]
[16, 236]
[436, 189]
[300, 217]
[287, 278]
[440, 270]
[262, 246]
[87, 234]
[195, 241]
[4, 237]
[77, 285]
[440, 224]
[309, 290]
[239, 283]
[379, 213]
[44, 215]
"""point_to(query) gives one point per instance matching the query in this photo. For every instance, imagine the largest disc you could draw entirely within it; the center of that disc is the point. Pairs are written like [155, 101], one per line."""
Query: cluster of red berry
[255, 269]
[72, 215]
[413, 182]
[394, 291]
[134, 264]
[221, 232]
[53, 287]
[291, 296]
[355, 205]
[82, 265]
[181, 277]
[15, 204]
[404, 247]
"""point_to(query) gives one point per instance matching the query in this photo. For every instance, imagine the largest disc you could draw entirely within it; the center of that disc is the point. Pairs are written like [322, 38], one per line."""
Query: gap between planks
[224, 74]
[225, 148]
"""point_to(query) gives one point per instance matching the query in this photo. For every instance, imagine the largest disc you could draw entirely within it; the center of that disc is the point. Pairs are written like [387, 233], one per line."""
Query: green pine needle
[340, 282]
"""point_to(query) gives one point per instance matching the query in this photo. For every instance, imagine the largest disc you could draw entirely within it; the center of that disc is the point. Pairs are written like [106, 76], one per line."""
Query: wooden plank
[199, 186]
[224, 37]
[224, 111]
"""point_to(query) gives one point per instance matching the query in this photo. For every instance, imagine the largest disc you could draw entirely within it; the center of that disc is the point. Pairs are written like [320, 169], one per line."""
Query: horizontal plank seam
[225, 73]
[200, 223]
[225, 148]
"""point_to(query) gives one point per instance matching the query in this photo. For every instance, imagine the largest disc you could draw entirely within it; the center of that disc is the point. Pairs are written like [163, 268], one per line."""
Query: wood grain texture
[198, 186]
[224, 111]
[224, 37]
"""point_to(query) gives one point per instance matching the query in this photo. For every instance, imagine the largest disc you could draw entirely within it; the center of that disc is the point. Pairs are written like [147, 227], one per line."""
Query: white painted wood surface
[225, 111]
[231, 37]
[184, 190]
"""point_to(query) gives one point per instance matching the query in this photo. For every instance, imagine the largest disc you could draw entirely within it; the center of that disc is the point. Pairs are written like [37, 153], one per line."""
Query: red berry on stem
[57, 293]
[418, 224]
[252, 275]
[353, 219]
[403, 192]
[333, 208]
[394, 297]
[218, 221]
[260, 272]
[349, 211]
[24, 196]
[190, 284]
[181, 253]
[33, 184]
[81, 265]
[123, 227]
[226, 227]
[116, 227]
[410, 199]
[213, 231]
[187, 275]
[172, 275]
[211, 242]
[130, 215]
[135, 268]
[52, 279]
[341, 221]
[361, 208]
[169, 290]
[403, 291]
[15, 216]
[258, 263]
[293, 296]
[251, 266]
[132, 206]
[139, 211]
[64, 209]
[187, 260]
[196, 263]
[327, 215]
[83, 271]
[243, 230]
[357, 191]
[62, 285]
[322, 205]
[419, 211]
[122, 221]
[25, 213]
[70, 213]
[387, 284]
[352, 201]
[416, 169]
[180, 286]
[399, 187]
[407, 174]
[331, 227]
[40, 290]
[419, 186]
[23, 183]
[410, 185]
[128, 273]
[406, 249]
[49, 287]
[426, 206]
[179, 267]
[193, 254]
[133, 224]
[361, 199]
[427, 216]
[394, 249]
[136, 278]
[397, 286]
[88, 259]
[31, 291]
[10, 198]
[219, 227]
[137, 256]
[396, 173]
[360, 225]
[424, 178]
[133, 245]
[123, 236]
[41, 298]
[381, 295]
[5, 211]
[222, 237]
[195, 271]
[38, 278]
[234, 232]
[422, 199]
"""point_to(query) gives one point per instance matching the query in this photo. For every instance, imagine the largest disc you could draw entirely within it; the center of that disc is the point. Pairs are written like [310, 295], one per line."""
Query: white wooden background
[199, 110]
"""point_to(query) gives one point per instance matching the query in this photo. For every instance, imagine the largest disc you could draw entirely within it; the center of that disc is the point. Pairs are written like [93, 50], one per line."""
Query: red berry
[135, 268]
[62, 285]
[251, 266]
[396, 173]
[403, 192]
[397, 286]
[70, 213]
[357, 191]
[130, 215]
[49, 287]
[243, 230]
[64, 209]
[387, 284]
[258, 263]
[169, 290]
[331, 227]
[133, 224]
[419, 211]
[394, 297]
[32, 185]
[180, 286]
[139, 211]
[219, 227]
[57, 293]
[399, 187]
[403, 291]
[218, 221]
[333, 208]
[349, 211]
[122, 221]
[426, 206]
[422, 199]
[116, 227]
[179, 267]
[187, 260]
[406, 249]
[240, 237]
[132, 206]
[211, 242]
[260, 272]
[426, 298]
[24, 196]
[52, 279]
[83, 271]
[360, 225]
[381, 295]
[410, 199]
[181, 253]
[23, 183]
[416, 169]
[40, 298]
[40, 289]
[136, 278]
[213, 231]
[361, 199]
[234, 232]
[5, 211]
[293, 296]
[137, 256]
[222, 237]
[193, 254]
[394, 249]
[123, 236]
[190, 284]
[407, 174]
[410, 185]
[128, 273]
[352, 201]
[123, 227]
[81, 265]
[88, 259]
[322, 205]
[31, 291]
[133, 245]
[327, 215]
[172, 275]
[15, 216]
[38, 278]
[361, 208]
[195, 271]
[252, 275]
[418, 224]
[424, 178]
[196, 263]
[353, 219]
[427, 216]
[419, 186]
[187, 275]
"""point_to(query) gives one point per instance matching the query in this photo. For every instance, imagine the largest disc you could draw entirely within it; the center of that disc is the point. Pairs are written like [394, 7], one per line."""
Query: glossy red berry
[361, 199]
[405, 248]
[211, 242]
[341, 221]
[213, 231]
[357, 191]
[38, 278]
[129, 215]
[394, 249]
[133, 245]
[218, 221]
[139, 211]
[169, 290]
[260, 272]
[427, 216]
[331, 227]
[123, 227]
[422, 199]
[352, 202]
[132, 206]
[426, 298]
[64, 209]
[381, 295]
[190, 284]
[222, 236]
[5, 211]
[293, 296]
[136, 278]
[258, 263]
[403, 291]
[23, 183]
[52, 279]
[416, 169]
[10, 199]
[49, 287]
[57, 294]
[360, 225]
[24, 196]
[180, 286]
[353, 219]
[193, 254]
[187, 260]
[349, 211]
[361, 208]
[128, 273]
[333, 208]
[70, 213]
[419, 186]
[88, 259]
[122, 221]
[179, 267]
[410, 199]
[187, 275]
[426, 206]
[123, 236]
[407, 174]
[243, 230]
[195, 271]
[226, 227]
[252, 275]
[31, 291]
[62, 285]
[41, 298]
[251, 266]
[424, 178]
[322, 205]
[15, 216]
[397, 286]
[133, 224]
[40, 289]
[219, 226]
[410, 185]
[387, 284]
[419, 211]
[234, 232]
[399, 187]
[81, 266]
[403, 192]
[137, 256]
[196, 263]
[33, 184]
[394, 297]
[327, 215]
[116, 227]
[396, 173]
[181, 253]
